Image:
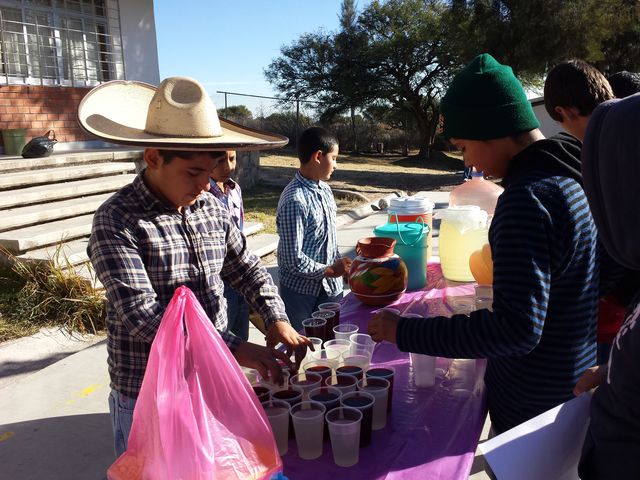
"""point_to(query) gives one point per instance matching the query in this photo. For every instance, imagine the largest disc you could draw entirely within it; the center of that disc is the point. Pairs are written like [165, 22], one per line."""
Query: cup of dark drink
[364, 402]
[329, 316]
[330, 398]
[292, 395]
[315, 327]
[388, 373]
[332, 307]
[262, 392]
[351, 370]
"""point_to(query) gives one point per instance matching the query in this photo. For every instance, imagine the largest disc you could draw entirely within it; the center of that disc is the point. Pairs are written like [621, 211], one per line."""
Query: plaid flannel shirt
[306, 221]
[231, 198]
[142, 250]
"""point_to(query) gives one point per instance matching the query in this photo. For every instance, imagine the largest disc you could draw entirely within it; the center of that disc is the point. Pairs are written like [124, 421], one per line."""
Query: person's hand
[283, 332]
[383, 326]
[339, 268]
[263, 359]
[591, 378]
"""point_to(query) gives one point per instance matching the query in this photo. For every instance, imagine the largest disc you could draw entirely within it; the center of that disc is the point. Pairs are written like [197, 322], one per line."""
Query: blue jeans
[121, 412]
[300, 306]
[237, 313]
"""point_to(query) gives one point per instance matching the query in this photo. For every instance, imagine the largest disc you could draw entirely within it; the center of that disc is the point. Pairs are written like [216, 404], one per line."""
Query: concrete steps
[35, 214]
[56, 191]
[13, 180]
[47, 205]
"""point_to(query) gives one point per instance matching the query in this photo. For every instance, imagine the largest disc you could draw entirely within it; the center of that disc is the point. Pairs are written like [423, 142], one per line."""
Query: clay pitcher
[378, 276]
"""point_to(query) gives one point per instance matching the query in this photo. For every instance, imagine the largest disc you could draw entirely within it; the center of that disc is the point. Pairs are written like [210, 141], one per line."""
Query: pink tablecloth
[432, 433]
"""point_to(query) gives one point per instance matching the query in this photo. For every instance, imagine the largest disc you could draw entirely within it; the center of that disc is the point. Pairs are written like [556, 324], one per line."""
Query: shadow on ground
[58, 448]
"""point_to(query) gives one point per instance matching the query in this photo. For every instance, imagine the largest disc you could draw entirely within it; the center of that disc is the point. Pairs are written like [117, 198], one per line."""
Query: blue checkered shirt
[306, 221]
[142, 250]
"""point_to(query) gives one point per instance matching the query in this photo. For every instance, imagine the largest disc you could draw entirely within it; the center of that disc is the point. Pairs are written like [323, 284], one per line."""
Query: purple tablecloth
[432, 433]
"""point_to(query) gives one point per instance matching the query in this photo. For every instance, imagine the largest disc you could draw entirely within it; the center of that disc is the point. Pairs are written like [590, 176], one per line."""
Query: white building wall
[139, 41]
[548, 125]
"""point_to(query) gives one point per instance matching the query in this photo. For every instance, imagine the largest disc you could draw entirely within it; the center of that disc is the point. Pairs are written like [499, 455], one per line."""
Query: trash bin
[13, 140]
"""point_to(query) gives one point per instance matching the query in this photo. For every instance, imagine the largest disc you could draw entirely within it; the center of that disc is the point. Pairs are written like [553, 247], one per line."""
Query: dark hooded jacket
[610, 160]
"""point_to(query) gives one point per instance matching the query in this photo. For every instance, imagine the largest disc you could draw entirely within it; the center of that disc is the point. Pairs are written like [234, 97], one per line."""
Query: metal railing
[59, 49]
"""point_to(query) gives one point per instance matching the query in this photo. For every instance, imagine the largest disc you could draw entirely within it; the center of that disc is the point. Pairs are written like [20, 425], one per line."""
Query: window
[60, 42]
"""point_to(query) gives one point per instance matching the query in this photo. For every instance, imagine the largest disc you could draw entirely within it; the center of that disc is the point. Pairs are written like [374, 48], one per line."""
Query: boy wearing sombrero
[540, 336]
[164, 230]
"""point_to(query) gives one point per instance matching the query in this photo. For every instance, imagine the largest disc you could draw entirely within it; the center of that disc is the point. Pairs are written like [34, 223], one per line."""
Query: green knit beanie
[486, 101]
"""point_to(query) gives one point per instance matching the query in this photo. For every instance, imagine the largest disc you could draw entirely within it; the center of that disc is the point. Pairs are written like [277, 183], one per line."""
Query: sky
[226, 45]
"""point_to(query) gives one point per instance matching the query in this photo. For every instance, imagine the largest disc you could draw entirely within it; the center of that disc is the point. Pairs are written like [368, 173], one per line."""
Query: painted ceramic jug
[378, 276]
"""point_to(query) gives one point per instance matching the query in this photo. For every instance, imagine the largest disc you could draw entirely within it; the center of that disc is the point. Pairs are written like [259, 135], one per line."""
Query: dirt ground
[374, 175]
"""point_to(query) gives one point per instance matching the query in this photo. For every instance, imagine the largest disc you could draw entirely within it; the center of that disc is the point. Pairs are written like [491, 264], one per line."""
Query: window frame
[101, 58]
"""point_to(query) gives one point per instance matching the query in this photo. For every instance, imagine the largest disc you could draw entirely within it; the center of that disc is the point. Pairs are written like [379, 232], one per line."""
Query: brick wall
[39, 109]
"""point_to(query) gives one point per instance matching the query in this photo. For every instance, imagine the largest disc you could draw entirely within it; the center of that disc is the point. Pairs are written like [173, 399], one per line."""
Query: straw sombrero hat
[177, 115]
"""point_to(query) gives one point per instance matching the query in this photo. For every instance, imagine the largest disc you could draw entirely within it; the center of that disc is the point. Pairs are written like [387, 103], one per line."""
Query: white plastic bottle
[477, 191]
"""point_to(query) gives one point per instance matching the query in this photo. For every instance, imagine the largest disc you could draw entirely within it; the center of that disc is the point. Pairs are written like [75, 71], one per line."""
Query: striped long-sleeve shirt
[540, 336]
[306, 221]
[142, 251]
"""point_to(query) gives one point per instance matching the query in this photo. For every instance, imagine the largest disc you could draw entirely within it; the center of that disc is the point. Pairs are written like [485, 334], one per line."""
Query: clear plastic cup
[344, 383]
[333, 307]
[315, 327]
[329, 397]
[379, 388]
[321, 367]
[330, 317]
[252, 375]
[278, 415]
[354, 370]
[424, 370]
[387, 373]
[362, 361]
[344, 429]
[331, 356]
[345, 330]
[362, 344]
[262, 391]
[307, 381]
[341, 346]
[308, 423]
[364, 402]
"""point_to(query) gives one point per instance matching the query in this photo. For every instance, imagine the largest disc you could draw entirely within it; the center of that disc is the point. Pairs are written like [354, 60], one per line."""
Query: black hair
[314, 139]
[168, 155]
[625, 83]
[575, 83]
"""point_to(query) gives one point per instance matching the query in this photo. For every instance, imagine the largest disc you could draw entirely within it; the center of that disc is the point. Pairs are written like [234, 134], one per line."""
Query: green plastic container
[412, 243]
[13, 140]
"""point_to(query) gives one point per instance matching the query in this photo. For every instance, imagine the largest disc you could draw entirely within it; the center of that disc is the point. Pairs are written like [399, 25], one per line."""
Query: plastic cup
[387, 373]
[345, 330]
[379, 388]
[321, 367]
[331, 356]
[341, 346]
[329, 397]
[292, 395]
[317, 345]
[307, 381]
[362, 344]
[361, 361]
[354, 370]
[344, 383]
[276, 386]
[308, 423]
[262, 391]
[251, 375]
[315, 327]
[332, 307]
[344, 429]
[364, 402]
[277, 412]
[330, 317]
[424, 369]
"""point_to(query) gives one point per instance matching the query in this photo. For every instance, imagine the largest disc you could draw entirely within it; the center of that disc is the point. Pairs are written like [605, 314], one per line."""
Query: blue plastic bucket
[412, 243]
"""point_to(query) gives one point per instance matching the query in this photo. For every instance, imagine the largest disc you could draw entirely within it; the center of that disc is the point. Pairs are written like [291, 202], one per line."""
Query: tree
[533, 35]
[410, 59]
[236, 113]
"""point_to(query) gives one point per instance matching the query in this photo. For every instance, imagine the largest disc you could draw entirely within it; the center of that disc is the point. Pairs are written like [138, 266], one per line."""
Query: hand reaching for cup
[339, 268]
[383, 326]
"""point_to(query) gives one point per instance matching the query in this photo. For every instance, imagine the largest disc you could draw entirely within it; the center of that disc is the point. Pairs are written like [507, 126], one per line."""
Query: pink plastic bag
[196, 416]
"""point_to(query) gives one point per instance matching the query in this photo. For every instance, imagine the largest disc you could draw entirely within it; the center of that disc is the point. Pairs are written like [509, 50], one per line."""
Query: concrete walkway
[54, 421]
